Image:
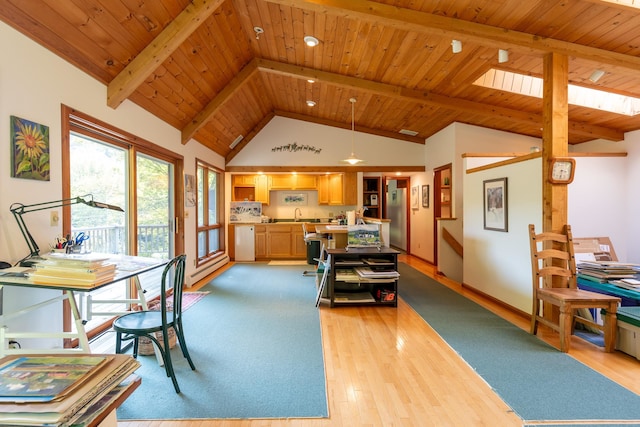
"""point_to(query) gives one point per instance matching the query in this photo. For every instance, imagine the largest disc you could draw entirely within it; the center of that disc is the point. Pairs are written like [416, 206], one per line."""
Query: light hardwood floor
[387, 367]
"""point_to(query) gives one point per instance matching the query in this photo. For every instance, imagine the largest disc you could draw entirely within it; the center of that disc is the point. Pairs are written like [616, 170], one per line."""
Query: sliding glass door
[139, 180]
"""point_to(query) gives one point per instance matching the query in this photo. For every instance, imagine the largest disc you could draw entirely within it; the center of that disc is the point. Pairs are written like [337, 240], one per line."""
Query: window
[210, 230]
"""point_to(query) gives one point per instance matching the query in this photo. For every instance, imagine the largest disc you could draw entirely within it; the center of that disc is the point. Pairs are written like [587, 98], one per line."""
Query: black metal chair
[138, 324]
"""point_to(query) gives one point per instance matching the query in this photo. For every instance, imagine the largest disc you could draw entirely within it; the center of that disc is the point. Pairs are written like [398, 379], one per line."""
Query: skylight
[578, 95]
[630, 3]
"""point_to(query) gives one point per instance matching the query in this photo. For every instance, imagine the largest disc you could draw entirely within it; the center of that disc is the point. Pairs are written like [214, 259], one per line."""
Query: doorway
[442, 197]
[396, 209]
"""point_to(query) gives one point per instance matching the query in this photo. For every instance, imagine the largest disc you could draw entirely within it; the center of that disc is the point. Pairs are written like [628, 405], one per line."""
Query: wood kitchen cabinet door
[279, 242]
[298, 244]
[323, 190]
[336, 191]
[262, 188]
[261, 241]
[306, 182]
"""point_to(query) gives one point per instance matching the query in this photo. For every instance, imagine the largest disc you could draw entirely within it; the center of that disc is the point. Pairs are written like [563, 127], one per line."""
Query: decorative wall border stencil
[297, 147]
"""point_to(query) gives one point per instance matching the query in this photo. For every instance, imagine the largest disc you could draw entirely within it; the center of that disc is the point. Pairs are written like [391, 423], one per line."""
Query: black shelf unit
[347, 287]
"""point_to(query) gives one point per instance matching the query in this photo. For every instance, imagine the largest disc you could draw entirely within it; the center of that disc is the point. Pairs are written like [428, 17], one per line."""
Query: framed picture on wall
[495, 204]
[415, 197]
[425, 196]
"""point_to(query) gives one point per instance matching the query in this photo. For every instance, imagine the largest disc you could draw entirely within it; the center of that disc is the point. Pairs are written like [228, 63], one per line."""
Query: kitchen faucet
[295, 214]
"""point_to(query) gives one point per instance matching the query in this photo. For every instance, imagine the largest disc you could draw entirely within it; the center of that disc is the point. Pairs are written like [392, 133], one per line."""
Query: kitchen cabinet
[338, 189]
[323, 189]
[293, 182]
[279, 242]
[251, 188]
[298, 244]
[274, 241]
[261, 241]
[262, 188]
[243, 180]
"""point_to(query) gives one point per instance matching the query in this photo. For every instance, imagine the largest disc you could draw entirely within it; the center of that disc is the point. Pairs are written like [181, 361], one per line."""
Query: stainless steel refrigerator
[397, 213]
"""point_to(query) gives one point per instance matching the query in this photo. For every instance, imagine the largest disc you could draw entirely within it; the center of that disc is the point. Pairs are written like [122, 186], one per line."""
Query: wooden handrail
[455, 245]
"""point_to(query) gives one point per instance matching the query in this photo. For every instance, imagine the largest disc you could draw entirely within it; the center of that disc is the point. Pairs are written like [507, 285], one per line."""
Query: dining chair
[553, 266]
[148, 323]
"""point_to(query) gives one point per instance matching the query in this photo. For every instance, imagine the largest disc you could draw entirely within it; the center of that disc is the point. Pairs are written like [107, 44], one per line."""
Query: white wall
[34, 83]
[334, 143]
[596, 194]
[603, 199]
[498, 263]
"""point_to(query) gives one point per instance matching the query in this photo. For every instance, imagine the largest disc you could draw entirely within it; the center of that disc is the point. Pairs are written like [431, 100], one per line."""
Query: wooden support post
[555, 137]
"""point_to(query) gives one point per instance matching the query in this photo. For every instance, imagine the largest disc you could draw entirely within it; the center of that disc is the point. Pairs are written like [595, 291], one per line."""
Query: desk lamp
[19, 209]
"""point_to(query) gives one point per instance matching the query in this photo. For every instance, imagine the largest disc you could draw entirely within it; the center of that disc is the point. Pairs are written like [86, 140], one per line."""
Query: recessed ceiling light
[311, 103]
[311, 41]
[311, 81]
[408, 132]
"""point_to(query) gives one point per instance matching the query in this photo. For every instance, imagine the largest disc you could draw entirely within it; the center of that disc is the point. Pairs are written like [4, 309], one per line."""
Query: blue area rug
[256, 342]
[536, 380]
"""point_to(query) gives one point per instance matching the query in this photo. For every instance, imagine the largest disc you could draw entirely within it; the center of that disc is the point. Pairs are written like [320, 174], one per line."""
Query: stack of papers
[347, 275]
[603, 271]
[354, 297]
[73, 269]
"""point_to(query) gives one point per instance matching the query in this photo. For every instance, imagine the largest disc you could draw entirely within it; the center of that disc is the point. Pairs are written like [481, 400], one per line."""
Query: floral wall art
[29, 149]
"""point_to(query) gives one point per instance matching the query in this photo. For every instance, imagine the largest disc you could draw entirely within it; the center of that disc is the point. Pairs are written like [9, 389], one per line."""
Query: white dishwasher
[245, 244]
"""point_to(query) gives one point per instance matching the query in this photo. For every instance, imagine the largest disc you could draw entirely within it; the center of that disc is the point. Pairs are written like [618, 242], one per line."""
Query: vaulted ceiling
[219, 69]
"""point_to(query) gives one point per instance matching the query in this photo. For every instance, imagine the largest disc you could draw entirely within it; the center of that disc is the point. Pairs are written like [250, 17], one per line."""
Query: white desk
[128, 267]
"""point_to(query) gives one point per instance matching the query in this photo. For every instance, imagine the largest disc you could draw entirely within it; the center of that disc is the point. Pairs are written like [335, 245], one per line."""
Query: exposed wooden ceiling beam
[256, 129]
[218, 101]
[333, 123]
[454, 104]
[486, 35]
[156, 52]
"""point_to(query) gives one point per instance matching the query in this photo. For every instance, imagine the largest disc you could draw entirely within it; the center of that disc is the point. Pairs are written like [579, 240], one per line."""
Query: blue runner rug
[536, 380]
[256, 342]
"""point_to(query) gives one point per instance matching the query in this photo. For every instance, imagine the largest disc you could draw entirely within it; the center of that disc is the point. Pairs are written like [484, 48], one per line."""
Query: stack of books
[605, 271]
[73, 269]
[58, 390]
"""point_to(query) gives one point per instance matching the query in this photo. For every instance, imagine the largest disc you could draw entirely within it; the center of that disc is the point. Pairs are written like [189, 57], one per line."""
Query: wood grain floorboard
[387, 367]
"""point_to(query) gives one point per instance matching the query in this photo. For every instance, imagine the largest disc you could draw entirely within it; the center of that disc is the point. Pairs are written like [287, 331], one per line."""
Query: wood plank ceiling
[201, 66]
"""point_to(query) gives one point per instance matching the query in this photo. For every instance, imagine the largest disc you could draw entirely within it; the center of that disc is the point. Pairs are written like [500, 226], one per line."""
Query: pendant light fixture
[352, 159]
